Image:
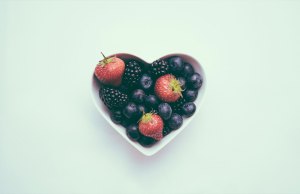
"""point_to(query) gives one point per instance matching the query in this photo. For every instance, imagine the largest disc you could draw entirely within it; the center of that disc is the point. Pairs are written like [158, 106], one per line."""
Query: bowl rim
[149, 151]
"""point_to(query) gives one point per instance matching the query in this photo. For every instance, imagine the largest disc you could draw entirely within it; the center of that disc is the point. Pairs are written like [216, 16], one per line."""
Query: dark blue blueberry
[188, 70]
[164, 110]
[195, 81]
[138, 116]
[176, 65]
[130, 111]
[188, 109]
[146, 141]
[138, 96]
[132, 132]
[190, 95]
[142, 108]
[175, 121]
[151, 101]
[146, 82]
[166, 130]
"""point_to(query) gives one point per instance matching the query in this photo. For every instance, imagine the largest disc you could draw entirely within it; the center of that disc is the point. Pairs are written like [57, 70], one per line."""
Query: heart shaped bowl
[148, 151]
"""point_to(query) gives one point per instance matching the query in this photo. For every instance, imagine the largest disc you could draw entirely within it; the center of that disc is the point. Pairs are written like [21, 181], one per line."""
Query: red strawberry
[110, 70]
[168, 88]
[151, 125]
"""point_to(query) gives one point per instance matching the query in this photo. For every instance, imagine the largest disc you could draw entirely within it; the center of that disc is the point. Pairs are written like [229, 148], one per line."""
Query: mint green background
[245, 139]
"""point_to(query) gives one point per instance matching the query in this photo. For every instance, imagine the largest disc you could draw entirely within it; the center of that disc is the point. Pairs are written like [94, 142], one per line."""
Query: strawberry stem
[103, 55]
[146, 117]
[105, 61]
[176, 86]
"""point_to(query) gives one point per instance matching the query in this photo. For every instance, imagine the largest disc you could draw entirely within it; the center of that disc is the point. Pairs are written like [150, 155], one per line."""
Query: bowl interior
[95, 86]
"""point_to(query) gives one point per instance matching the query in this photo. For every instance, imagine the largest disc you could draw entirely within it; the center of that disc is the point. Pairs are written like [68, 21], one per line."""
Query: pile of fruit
[149, 100]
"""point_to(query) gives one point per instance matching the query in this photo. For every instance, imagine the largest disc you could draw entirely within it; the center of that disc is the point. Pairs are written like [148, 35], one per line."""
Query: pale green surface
[246, 138]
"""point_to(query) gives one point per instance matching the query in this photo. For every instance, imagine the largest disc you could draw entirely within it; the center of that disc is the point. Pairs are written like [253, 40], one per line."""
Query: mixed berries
[149, 101]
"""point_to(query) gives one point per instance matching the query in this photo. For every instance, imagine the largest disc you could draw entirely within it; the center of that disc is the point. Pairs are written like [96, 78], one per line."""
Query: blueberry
[138, 96]
[146, 141]
[138, 115]
[190, 95]
[146, 82]
[125, 122]
[195, 81]
[166, 130]
[188, 109]
[116, 116]
[188, 70]
[142, 108]
[176, 65]
[175, 121]
[182, 83]
[151, 101]
[164, 110]
[130, 111]
[132, 132]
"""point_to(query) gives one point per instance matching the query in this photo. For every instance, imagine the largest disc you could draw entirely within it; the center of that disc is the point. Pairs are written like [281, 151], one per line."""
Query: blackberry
[177, 106]
[125, 89]
[112, 97]
[133, 73]
[116, 116]
[125, 122]
[159, 68]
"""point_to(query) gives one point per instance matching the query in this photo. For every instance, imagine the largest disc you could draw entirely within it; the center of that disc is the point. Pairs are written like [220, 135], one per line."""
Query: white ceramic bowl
[121, 130]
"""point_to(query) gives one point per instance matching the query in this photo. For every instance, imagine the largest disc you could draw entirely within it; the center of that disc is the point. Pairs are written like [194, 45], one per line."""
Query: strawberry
[110, 70]
[168, 88]
[151, 125]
